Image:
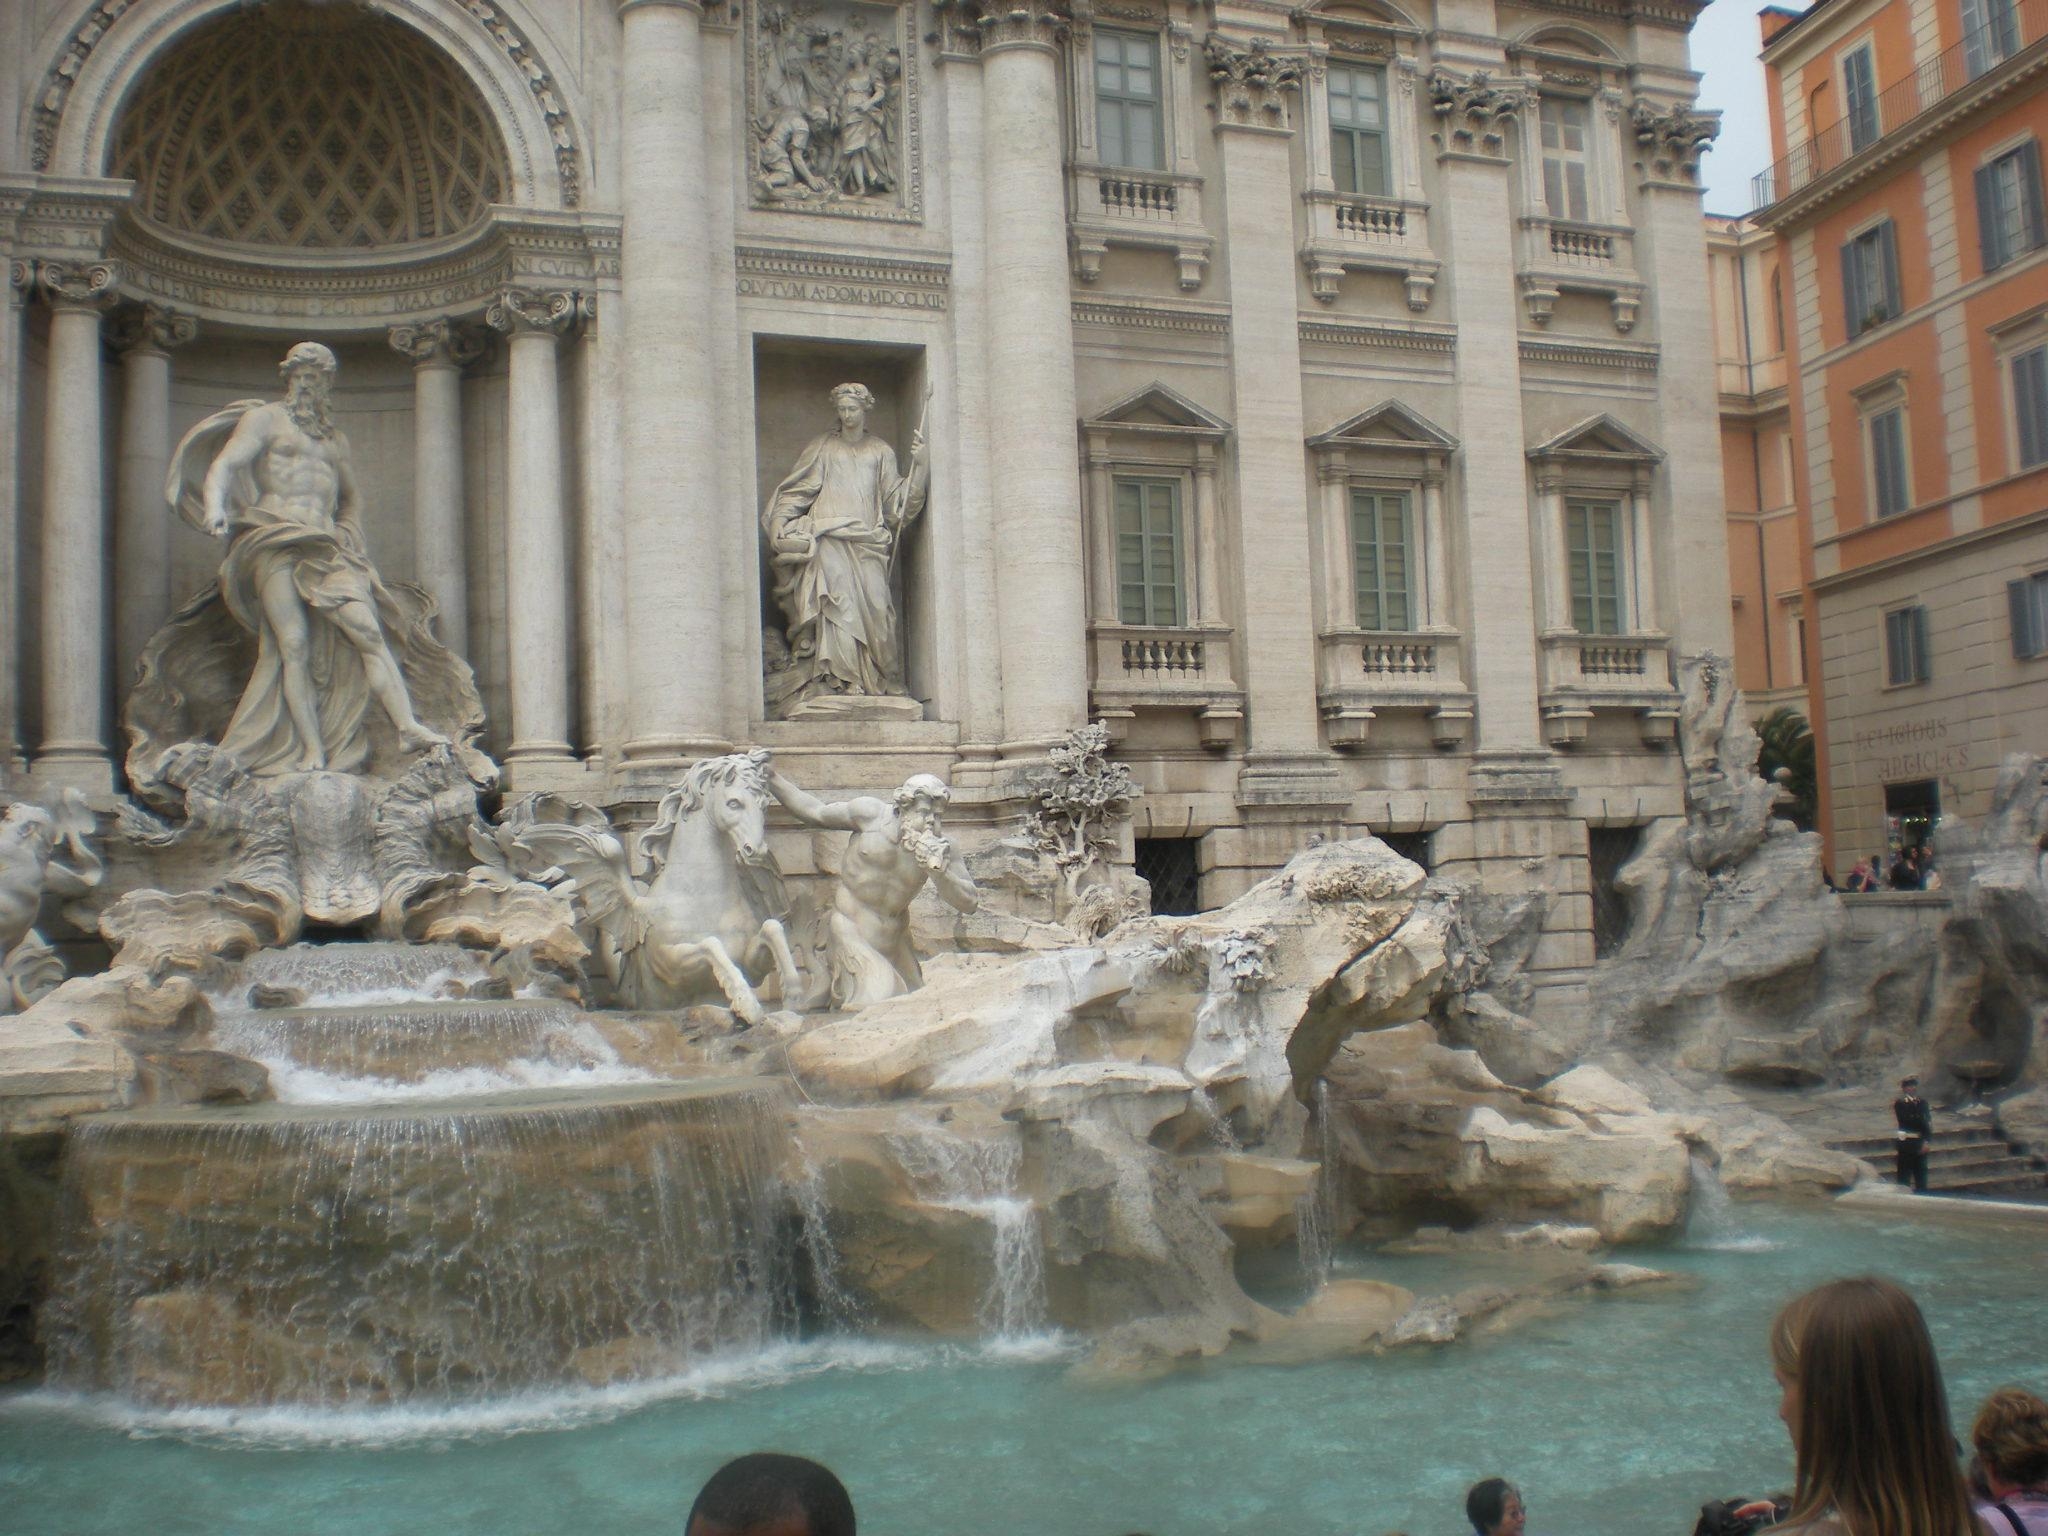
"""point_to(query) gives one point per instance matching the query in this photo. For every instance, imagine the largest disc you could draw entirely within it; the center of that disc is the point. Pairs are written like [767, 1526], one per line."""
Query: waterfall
[1204, 1104]
[979, 1177]
[839, 1307]
[371, 1255]
[1710, 1216]
[366, 973]
[1315, 1213]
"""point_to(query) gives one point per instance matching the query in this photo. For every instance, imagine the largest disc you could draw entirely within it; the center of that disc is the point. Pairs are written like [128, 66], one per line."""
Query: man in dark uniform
[1916, 1125]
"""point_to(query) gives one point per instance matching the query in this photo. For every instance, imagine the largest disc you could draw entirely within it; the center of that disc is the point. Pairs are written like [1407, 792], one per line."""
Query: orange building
[1906, 203]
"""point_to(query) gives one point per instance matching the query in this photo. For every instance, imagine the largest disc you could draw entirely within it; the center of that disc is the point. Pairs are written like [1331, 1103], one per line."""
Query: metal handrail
[1897, 105]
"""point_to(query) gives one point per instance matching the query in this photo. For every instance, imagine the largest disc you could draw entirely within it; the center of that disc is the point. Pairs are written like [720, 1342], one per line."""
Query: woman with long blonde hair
[1864, 1402]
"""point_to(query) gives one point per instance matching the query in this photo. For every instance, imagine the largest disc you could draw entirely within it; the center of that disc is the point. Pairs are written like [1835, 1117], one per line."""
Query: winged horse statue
[705, 922]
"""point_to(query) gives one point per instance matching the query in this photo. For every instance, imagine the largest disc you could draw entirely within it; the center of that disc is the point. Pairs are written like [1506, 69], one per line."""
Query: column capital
[695, 7]
[438, 343]
[91, 285]
[1471, 111]
[1672, 139]
[529, 311]
[146, 328]
[984, 26]
[1251, 83]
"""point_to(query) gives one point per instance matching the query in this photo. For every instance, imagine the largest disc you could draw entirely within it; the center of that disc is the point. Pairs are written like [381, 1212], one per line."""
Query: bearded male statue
[299, 659]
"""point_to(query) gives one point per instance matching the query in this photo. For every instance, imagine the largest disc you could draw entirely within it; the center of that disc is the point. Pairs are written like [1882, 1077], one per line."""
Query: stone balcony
[1587, 674]
[1155, 210]
[1560, 256]
[1362, 674]
[1134, 667]
[1368, 234]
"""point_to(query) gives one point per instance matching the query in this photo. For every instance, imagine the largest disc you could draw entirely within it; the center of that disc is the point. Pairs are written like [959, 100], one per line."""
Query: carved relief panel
[832, 108]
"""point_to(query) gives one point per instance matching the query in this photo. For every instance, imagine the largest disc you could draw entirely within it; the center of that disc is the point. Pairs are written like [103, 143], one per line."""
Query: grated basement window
[1412, 846]
[1169, 864]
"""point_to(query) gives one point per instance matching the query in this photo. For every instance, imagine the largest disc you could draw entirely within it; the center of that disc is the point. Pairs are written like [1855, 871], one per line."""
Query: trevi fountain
[391, 1152]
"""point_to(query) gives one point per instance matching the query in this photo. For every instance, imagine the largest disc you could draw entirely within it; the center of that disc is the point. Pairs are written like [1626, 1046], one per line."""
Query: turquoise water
[1618, 1415]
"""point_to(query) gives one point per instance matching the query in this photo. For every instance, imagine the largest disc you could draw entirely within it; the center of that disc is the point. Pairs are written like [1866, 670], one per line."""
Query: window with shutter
[1991, 34]
[1905, 647]
[1148, 553]
[2027, 600]
[1380, 560]
[2030, 405]
[1358, 129]
[1128, 120]
[1889, 491]
[1859, 92]
[1593, 555]
[1870, 279]
[1563, 122]
[2009, 216]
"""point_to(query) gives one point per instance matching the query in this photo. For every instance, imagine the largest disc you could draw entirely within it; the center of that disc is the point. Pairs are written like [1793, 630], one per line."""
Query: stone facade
[1319, 397]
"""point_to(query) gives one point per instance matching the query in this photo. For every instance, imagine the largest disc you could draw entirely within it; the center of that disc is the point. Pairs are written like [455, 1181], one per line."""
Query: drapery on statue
[298, 658]
[833, 526]
[896, 846]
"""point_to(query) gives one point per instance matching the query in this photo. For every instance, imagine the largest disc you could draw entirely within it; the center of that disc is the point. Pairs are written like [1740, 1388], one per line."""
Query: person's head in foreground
[1867, 1412]
[1495, 1508]
[2011, 1441]
[769, 1494]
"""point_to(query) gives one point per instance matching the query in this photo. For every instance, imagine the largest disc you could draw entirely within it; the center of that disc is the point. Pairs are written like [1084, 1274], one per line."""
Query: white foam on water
[295, 1084]
[713, 1378]
[1711, 1221]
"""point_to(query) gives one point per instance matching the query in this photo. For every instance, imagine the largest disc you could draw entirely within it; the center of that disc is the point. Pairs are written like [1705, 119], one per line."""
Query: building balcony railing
[1348, 233]
[1585, 674]
[1898, 104]
[1565, 256]
[1147, 209]
[1365, 673]
[1133, 667]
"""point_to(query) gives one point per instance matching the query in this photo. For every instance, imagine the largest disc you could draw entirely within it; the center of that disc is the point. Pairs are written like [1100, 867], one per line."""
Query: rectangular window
[1991, 33]
[1593, 553]
[2030, 405]
[1379, 559]
[1889, 492]
[2009, 222]
[1358, 129]
[2027, 599]
[1859, 91]
[1870, 279]
[1148, 553]
[1128, 119]
[1905, 647]
[1564, 157]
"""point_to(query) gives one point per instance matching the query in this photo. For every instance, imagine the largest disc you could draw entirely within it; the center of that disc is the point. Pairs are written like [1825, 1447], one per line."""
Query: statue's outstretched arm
[835, 815]
[245, 445]
[954, 884]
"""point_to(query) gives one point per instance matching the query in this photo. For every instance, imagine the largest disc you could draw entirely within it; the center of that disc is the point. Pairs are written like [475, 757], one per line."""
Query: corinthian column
[439, 352]
[537, 595]
[144, 336]
[674, 579]
[74, 646]
[1042, 608]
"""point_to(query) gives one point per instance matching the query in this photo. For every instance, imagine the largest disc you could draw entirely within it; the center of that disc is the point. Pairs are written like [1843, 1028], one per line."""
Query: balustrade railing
[1162, 653]
[1399, 658]
[1569, 242]
[1138, 197]
[1621, 660]
[1367, 220]
[2003, 35]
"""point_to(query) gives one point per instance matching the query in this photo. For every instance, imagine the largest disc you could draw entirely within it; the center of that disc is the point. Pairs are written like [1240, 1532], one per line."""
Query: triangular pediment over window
[1155, 408]
[1390, 424]
[1600, 439]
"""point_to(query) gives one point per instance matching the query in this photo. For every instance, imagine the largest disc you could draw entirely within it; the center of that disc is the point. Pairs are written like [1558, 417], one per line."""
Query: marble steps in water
[404, 1042]
[1971, 1160]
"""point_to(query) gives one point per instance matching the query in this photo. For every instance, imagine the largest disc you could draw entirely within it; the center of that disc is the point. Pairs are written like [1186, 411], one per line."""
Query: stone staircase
[1963, 1160]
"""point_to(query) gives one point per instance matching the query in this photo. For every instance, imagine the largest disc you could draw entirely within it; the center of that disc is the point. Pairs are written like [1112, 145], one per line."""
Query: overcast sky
[1724, 50]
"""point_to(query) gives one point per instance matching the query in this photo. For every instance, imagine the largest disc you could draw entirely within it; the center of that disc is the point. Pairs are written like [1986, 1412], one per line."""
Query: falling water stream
[979, 1177]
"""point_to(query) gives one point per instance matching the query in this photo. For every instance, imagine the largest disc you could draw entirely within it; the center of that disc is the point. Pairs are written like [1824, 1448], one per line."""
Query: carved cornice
[1628, 357]
[1473, 110]
[1673, 138]
[980, 26]
[1137, 315]
[56, 87]
[1251, 82]
[529, 311]
[1435, 341]
[880, 281]
[436, 343]
[144, 328]
[78, 285]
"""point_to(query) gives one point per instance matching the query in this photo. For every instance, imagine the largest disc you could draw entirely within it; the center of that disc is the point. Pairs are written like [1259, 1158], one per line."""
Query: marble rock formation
[43, 853]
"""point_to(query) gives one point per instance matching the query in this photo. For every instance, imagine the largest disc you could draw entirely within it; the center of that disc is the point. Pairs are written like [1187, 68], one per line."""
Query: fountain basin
[438, 1251]
[405, 1042]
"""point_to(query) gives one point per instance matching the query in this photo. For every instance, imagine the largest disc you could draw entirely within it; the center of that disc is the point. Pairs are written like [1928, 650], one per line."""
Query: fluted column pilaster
[675, 581]
[73, 751]
[537, 588]
[144, 336]
[439, 350]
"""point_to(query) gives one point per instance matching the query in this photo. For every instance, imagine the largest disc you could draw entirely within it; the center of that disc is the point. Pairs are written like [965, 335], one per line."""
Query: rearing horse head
[733, 792]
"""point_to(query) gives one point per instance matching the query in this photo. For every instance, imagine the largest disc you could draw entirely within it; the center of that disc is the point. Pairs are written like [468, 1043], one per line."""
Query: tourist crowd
[1910, 868]
[1862, 1399]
